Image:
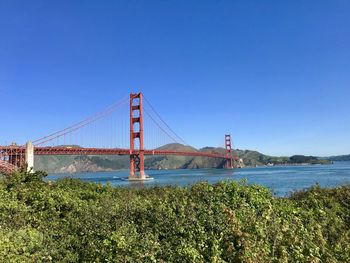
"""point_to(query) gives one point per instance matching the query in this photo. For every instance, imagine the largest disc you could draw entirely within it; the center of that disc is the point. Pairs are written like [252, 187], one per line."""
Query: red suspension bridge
[130, 126]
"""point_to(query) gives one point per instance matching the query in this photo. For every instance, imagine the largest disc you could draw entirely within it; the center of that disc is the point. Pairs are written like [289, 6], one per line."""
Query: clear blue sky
[275, 74]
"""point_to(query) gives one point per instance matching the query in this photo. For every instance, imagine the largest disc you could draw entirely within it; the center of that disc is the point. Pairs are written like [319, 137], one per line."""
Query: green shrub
[74, 221]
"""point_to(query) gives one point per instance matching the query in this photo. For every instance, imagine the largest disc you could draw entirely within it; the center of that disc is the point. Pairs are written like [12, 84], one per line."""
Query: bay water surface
[282, 180]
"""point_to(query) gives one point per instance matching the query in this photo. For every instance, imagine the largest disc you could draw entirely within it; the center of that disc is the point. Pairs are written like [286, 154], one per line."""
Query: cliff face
[72, 164]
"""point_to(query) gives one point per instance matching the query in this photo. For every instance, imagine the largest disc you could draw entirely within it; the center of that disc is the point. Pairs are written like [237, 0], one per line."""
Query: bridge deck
[13, 150]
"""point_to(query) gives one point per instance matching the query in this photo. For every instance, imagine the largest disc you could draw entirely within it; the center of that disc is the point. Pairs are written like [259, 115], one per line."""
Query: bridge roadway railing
[9, 150]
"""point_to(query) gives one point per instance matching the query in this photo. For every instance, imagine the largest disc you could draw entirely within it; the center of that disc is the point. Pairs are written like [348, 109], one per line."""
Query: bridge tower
[229, 152]
[136, 138]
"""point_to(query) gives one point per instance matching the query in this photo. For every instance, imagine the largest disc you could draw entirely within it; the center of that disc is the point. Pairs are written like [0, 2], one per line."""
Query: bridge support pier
[14, 156]
[29, 156]
[137, 159]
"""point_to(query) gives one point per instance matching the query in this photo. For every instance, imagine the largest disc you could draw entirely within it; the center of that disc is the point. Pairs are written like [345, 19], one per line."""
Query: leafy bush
[71, 221]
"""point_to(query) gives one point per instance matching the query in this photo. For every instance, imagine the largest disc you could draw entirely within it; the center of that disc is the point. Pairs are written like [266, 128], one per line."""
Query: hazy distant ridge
[340, 158]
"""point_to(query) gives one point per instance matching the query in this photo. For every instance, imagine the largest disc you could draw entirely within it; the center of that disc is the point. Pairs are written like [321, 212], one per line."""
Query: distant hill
[72, 164]
[340, 158]
[299, 159]
[254, 158]
[177, 147]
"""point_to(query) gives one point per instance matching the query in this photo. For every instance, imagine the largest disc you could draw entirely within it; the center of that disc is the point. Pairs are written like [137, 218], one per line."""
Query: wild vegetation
[73, 221]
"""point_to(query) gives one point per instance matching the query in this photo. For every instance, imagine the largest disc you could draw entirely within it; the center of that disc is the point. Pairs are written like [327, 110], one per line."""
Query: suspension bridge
[131, 126]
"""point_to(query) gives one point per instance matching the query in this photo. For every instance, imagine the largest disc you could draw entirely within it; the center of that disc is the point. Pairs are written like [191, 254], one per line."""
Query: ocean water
[282, 180]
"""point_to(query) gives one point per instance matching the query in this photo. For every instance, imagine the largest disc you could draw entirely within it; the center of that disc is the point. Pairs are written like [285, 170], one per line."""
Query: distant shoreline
[175, 169]
[288, 164]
